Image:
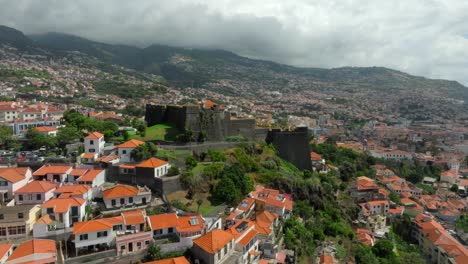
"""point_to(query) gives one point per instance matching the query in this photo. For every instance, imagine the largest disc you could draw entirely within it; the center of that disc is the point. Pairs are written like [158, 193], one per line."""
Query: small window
[122, 201]
[20, 197]
[130, 200]
[38, 196]
[2, 217]
[20, 215]
[50, 210]
[113, 202]
[84, 237]
[124, 151]
[91, 142]
[122, 247]
[138, 244]
[147, 242]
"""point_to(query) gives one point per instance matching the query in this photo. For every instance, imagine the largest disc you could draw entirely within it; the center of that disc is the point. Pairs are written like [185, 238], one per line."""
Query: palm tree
[199, 203]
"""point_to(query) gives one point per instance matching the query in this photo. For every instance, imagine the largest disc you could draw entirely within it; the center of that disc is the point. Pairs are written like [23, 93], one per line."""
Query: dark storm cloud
[425, 37]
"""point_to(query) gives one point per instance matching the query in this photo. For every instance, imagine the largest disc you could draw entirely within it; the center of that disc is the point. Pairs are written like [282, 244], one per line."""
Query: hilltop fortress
[209, 118]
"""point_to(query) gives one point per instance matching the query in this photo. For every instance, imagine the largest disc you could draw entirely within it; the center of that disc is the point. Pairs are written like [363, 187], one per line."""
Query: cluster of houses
[21, 117]
[56, 200]
[429, 214]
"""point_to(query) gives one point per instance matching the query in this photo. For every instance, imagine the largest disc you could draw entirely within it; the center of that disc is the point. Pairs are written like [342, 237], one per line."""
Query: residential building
[74, 190]
[47, 130]
[53, 173]
[436, 243]
[12, 179]
[93, 178]
[272, 200]
[246, 240]
[125, 149]
[125, 195]
[5, 252]
[215, 247]
[125, 232]
[94, 143]
[17, 221]
[178, 260]
[365, 189]
[35, 192]
[143, 173]
[186, 226]
[37, 251]
[66, 211]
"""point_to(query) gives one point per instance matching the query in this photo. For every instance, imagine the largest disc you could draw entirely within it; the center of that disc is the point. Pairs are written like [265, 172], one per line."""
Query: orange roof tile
[315, 156]
[120, 191]
[152, 163]
[35, 246]
[184, 223]
[94, 135]
[238, 232]
[134, 217]
[52, 169]
[126, 166]
[74, 189]
[132, 143]
[178, 260]
[37, 187]
[88, 155]
[4, 249]
[109, 158]
[263, 222]
[209, 104]
[248, 237]
[246, 204]
[327, 260]
[91, 226]
[213, 241]
[161, 221]
[62, 205]
[45, 219]
[90, 175]
[14, 175]
[365, 183]
[78, 172]
[45, 129]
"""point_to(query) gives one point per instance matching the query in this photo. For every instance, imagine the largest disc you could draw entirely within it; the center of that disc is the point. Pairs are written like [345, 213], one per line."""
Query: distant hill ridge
[186, 66]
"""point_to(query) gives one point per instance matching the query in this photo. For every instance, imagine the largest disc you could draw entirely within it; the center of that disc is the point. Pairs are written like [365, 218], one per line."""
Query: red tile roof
[94, 135]
[52, 169]
[45, 129]
[152, 163]
[181, 223]
[134, 217]
[247, 238]
[315, 156]
[73, 189]
[91, 226]
[178, 260]
[62, 205]
[78, 172]
[120, 191]
[88, 155]
[14, 175]
[37, 187]
[35, 246]
[213, 241]
[132, 143]
[4, 249]
[90, 175]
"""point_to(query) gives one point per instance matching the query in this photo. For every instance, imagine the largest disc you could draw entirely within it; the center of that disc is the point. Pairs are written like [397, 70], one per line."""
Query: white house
[34, 251]
[125, 195]
[65, 210]
[157, 166]
[53, 173]
[94, 143]
[35, 192]
[123, 150]
[12, 179]
[93, 177]
[47, 130]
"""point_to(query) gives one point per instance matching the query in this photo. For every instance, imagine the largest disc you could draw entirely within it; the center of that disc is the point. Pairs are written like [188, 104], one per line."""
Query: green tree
[6, 134]
[216, 156]
[153, 253]
[394, 197]
[68, 134]
[126, 136]
[199, 203]
[190, 162]
[144, 151]
[36, 139]
[225, 191]
[173, 170]
[454, 188]
[383, 249]
[201, 137]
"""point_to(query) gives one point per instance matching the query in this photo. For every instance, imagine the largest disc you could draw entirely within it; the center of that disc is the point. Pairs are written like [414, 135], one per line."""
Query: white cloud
[423, 37]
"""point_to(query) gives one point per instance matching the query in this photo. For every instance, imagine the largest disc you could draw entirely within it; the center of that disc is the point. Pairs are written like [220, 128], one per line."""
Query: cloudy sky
[422, 37]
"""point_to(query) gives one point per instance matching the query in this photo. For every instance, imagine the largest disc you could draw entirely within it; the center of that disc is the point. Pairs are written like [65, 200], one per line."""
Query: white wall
[98, 145]
[30, 198]
[93, 239]
[125, 157]
[137, 200]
